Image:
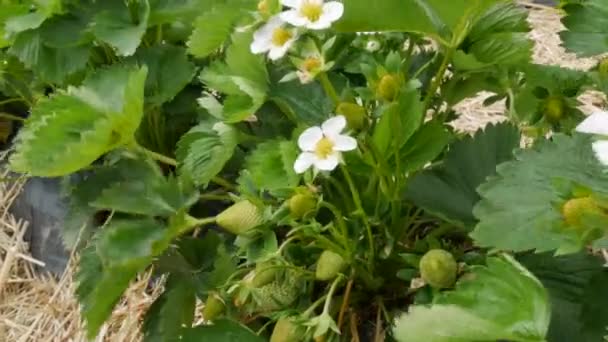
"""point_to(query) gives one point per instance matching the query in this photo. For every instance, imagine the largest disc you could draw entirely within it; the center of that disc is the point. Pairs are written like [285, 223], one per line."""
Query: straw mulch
[35, 307]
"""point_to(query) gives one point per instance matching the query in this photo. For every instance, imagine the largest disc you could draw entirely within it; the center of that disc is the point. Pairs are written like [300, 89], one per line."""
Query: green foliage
[512, 220]
[109, 98]
[220, 331]
[121, 25]
[170, 312]
[169, 72]
[270, 166]
[467, 164]
[500, 301]
[204, 151]
[71, 129]
[586, 33]
[576, 284]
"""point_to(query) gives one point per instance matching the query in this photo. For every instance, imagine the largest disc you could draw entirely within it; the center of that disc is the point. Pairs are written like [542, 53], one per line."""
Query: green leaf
[169, 71]
[577, 288]
[424, 146]
[121, 25]
[399, 122]
[99, 288]
[9, 11]
[204, 151]
[71, 129]
[171, 11]
[81, 190]
[500, 301]
[242, 76]
[220, 331]
[499, 37]
[55, 50]
[468, 163]
[587, 25]
[171, 311]
[512, 219]
[270, 166]
[152, 195]
[436, 18]
[212, 29]
[28, 20]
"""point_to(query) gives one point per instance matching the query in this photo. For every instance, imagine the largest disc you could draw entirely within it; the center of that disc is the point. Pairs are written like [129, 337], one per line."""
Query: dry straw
[36, 307]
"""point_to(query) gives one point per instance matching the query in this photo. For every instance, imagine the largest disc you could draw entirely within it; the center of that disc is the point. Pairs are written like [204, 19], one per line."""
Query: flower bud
[329, 265]
[285, 330]
[388, 88]
[438, 268]
[354, 114]
[214, 307]
[574, 210]
[263, 6]
[301, 204]
[240, 217]
[553, 109]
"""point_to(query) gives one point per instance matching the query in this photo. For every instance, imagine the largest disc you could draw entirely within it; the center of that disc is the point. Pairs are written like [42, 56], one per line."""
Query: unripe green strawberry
[438, 268]
[301, 204]
[285, 330]
[214, 307]
[354, 114]
[553, 109]
[276, 295]
[602, 67]
[388, 88]
[574, 210]
[240, 217]
[264, 274]
[329, 265]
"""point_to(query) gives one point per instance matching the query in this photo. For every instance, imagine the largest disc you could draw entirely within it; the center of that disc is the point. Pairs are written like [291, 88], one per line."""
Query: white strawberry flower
[322, 147]
[273, 38]
[597, 123]
[312, 14]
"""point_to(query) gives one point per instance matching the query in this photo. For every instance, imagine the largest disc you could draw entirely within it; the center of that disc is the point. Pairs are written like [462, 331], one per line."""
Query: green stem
[11, 117]
[330, 294]
[438, 78]
[7, 101]
[205, 221]
[159, 33]
[329, 88]
[314, 305]
[214, 197]
[359, 205]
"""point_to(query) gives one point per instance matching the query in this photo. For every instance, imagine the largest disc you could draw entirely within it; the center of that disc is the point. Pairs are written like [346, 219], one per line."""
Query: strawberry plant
[291, 164]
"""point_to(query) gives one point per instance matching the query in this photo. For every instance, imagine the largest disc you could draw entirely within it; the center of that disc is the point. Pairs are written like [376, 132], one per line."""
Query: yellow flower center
[324, 148]
[263, 6]
[311, 63]
[311, 10]
[280, 36]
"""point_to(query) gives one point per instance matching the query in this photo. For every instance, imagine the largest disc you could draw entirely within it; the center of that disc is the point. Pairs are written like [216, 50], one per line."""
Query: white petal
[333, 126]
[276, 52]
[596, 123]
[294, 18]
[320, 24]
[332, 11]
[292, 3]
[344, 143]
[304, 162]
[309, 138]
[328, 163]
[601, 151]
[265, 32]
[260, 46]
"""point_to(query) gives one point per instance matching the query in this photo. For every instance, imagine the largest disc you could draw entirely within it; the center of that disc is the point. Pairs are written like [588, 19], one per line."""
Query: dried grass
[36, 307]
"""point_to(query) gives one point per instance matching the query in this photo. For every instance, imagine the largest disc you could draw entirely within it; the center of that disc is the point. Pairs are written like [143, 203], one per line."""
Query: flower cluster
[276, 36]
